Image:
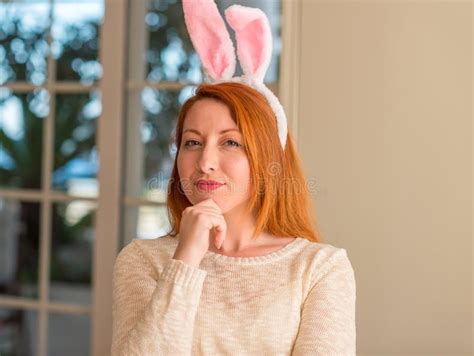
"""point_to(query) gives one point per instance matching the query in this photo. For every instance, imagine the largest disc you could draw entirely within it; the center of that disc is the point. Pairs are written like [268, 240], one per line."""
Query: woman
[242, 272]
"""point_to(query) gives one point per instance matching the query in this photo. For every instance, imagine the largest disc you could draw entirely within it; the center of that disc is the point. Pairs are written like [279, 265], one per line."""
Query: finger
[196, 210]
[202, 209]
[211, 203]
[208, 209]
[220, 233]
[220, 237]
[217, 229]
[212, 215]
[214, 220]
[217, 237]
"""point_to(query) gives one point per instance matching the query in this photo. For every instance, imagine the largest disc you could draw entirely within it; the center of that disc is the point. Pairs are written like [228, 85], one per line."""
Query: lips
[208, 185]
[209, 181]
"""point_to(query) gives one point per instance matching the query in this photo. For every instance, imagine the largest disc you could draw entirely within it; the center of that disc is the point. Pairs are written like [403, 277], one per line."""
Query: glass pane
[75, 151]
[18, 332]
[68, 335]
[21, 137]
[145, 222]
[71, 252]
[75, 45]
[150, 149]
[170, 55]
[19, 248]
[23, 41]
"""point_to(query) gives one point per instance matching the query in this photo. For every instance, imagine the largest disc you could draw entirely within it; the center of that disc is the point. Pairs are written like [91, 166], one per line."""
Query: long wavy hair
[280, 196]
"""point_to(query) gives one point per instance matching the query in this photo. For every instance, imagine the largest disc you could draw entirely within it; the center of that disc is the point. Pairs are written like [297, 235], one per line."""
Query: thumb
[219, 237]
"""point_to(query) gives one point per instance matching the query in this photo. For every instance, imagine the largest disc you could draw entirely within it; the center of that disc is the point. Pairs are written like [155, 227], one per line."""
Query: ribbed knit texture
[298, 300]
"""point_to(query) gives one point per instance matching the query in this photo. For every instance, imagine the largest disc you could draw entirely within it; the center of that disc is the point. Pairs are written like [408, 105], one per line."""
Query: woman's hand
[196, 229]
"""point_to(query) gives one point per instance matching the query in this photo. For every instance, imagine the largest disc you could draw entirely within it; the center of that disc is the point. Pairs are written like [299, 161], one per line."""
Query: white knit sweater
[299, 300]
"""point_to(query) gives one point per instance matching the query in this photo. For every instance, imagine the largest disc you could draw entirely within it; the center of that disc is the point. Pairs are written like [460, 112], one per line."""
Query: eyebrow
[200, 134]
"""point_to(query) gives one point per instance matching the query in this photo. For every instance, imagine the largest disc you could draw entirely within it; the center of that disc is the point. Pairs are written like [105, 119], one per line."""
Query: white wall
[385, 128]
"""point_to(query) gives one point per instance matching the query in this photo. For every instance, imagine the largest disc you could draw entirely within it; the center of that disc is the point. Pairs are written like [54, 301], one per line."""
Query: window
[49, 107]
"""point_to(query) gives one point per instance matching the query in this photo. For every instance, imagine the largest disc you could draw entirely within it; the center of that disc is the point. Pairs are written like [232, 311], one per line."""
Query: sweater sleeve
[153, 314]
[327, 325]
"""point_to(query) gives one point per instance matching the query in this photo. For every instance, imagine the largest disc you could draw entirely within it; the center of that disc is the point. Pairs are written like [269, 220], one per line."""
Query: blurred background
[378, 97]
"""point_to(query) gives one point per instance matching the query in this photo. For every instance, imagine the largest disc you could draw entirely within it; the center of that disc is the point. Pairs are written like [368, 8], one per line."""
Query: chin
[223, 204]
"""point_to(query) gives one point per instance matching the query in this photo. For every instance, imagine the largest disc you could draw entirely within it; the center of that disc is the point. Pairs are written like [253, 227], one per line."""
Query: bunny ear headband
[254, 48]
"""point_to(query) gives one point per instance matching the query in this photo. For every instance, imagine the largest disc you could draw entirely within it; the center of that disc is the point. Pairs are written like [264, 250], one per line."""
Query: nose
[208, 159]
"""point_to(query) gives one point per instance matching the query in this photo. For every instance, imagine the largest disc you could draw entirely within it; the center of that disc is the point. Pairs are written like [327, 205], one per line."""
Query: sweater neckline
[269, 257]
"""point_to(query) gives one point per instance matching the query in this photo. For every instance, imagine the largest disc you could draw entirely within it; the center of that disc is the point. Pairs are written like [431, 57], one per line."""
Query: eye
[186, 144]
[191, 143]
[234, 143]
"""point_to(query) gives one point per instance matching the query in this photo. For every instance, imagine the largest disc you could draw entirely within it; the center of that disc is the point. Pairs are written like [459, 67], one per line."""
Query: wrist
[186, 258]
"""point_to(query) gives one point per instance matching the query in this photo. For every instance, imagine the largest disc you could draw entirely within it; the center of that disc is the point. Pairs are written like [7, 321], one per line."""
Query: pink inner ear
[213, 58]
[254, 39]
[210, 38]
[250, 49]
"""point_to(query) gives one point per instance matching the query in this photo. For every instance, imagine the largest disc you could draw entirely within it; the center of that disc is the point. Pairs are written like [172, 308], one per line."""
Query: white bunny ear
[254, 39]
[210, 38]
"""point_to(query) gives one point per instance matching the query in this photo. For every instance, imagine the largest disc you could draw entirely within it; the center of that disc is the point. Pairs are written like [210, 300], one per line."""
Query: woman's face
[212, 149]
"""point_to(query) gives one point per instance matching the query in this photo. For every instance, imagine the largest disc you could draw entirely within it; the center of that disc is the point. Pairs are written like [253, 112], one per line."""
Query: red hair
[280, 197]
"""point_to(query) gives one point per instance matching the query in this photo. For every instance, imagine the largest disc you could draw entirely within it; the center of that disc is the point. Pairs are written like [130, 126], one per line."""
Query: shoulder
[321, 258]
[163, 246]
[153, 253]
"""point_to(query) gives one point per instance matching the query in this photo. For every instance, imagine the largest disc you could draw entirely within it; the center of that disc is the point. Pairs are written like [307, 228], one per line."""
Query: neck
[239, 233]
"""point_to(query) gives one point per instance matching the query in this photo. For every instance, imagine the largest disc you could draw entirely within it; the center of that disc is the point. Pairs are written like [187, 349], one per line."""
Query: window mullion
[110, 145]
[45, 232]
[290, 63]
